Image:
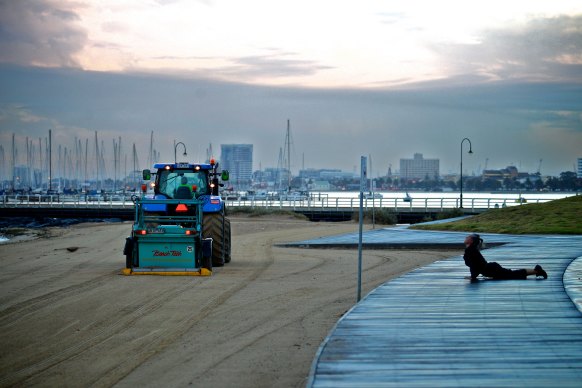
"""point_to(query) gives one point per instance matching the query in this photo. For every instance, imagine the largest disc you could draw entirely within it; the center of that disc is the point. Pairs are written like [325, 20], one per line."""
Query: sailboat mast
[86, 162]
[288, 144]
[125, 173]
[98, 186]
[59, 169]
[40, 162]
[119, 155]
[134, 167]
[371, 176]
[64, 171]
[50, 155]
[28, 153]
[114, 165]
[279, 169]
[13, 162]
[151, 153]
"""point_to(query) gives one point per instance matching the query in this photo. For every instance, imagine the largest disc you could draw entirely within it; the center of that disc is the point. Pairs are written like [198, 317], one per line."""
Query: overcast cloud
[41, 33]
[512, 124]
[516, 92]
[548, 49]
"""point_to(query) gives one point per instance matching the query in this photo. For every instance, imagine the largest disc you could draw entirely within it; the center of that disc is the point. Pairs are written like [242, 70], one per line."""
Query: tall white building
[419, 168]
[579, 172]
[238, 160]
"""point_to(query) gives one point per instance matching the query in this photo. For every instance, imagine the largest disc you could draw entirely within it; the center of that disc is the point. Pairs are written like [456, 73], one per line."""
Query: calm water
[450, 195]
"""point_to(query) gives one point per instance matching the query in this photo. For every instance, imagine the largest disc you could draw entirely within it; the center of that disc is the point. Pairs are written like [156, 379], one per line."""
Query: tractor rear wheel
[212, 226]
[227, 241]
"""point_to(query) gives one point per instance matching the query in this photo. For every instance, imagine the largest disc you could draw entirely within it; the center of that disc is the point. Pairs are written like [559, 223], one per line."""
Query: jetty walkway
[432, 327]
[316, 207]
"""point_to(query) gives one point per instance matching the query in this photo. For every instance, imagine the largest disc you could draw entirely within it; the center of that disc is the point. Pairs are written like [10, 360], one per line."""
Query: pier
[318, 207]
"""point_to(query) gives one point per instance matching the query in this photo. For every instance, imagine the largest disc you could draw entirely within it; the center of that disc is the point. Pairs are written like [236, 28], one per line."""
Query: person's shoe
[540, 271]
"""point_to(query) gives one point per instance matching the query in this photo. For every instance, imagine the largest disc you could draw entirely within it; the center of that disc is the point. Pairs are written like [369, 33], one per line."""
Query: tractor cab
[179, 183]
[186, 181]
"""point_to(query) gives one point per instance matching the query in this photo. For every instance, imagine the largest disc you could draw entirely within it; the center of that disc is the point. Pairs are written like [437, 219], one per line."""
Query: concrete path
[432, 327]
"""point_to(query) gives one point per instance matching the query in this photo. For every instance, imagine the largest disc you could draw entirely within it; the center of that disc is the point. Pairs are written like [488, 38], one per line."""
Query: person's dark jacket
[475, 261]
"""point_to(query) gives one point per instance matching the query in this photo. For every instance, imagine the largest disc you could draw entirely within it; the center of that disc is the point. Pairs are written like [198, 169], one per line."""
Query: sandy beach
[69, 318]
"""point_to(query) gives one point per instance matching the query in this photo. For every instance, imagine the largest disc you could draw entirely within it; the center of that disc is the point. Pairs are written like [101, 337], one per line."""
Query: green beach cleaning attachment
[169, 242]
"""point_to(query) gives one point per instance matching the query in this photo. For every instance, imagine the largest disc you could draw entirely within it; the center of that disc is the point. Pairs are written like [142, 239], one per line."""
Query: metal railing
[428, 204]
[312, 203]
[80, 201]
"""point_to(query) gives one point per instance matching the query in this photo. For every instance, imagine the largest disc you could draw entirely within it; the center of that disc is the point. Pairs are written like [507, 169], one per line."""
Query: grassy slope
[563, 216]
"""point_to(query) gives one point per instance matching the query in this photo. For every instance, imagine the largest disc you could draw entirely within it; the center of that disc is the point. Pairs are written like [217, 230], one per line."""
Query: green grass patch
[562, 216]
[449, 214]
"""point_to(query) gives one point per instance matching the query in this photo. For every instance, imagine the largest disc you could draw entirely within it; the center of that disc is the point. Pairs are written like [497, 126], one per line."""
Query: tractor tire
[131, 260]
[205, 261]
[212, 226]
[129, 251]
[227, 242]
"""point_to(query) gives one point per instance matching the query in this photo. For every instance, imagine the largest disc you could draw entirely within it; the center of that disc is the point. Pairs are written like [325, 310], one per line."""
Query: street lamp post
[461, 180]
[176, 147]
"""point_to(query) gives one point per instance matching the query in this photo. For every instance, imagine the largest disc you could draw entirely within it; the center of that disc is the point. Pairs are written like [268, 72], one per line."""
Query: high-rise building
[419, 168]
[579, 172]
[238, 160]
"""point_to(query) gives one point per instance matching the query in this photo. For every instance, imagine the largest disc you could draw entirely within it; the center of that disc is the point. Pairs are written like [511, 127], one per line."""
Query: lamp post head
[176, 149]
[470, 145]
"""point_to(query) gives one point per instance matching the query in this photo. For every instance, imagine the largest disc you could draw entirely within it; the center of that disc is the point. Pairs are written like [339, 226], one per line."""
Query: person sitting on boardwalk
[478, 265]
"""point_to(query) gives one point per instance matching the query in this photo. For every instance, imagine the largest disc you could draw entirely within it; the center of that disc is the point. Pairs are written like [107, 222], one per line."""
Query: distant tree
[518, 184]
[508, 183]
[553, 183]
[491, 184]
[568, 180]
[469, 184]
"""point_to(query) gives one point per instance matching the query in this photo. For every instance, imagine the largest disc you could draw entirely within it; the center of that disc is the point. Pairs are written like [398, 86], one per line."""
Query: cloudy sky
[354, 77]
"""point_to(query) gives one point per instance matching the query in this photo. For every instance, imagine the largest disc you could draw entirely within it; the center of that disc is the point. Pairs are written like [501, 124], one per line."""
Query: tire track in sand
[266, 260]
[160, 340]
[96, 338]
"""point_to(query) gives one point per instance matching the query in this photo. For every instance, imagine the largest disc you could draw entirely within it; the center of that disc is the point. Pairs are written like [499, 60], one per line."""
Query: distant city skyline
[80, 163]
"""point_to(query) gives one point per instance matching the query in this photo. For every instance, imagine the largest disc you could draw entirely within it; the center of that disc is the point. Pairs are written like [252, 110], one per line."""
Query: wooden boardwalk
[432, 327]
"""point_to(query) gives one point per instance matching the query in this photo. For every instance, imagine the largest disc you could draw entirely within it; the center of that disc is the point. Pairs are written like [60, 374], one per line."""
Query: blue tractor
[174, 185]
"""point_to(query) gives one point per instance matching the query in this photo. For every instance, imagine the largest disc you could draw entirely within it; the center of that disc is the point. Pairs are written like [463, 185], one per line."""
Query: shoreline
[18, 229]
